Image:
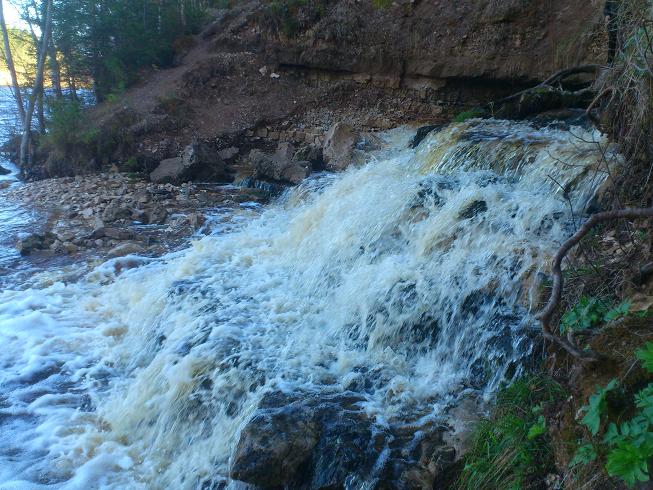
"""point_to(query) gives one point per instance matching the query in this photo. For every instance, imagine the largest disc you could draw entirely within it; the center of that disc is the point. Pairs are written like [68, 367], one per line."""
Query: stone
[320, 441]
[422, 133]
[157, 216]
[124, 249]
[228, 153]
[197, 161]
[35, 242]
[118, 233]
[4, 171]
[339, 145]
[280, 166]
[115, 211]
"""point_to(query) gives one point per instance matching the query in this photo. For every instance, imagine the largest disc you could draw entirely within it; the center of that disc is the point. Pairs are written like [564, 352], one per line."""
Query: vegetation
[622, 439]
[470, 114]
[511, 450]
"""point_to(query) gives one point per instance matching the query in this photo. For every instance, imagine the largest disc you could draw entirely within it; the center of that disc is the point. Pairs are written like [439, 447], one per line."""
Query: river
[408, 284]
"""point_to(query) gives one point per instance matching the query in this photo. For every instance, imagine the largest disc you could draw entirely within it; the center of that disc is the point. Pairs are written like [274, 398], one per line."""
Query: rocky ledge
[113, 214]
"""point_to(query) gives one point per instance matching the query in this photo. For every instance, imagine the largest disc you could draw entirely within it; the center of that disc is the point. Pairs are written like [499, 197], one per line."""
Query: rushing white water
[410, 281]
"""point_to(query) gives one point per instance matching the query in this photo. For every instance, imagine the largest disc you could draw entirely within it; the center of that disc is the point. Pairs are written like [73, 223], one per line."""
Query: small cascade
[325, 342]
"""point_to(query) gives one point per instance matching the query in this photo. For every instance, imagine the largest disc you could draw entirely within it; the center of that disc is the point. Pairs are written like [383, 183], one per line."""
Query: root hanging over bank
[546, 315]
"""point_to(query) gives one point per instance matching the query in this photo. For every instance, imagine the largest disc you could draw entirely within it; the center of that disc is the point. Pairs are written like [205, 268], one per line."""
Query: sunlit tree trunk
[11, 67]
[38, 82]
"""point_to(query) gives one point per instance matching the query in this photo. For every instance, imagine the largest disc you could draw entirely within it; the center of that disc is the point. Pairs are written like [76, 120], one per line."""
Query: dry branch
[545, 316]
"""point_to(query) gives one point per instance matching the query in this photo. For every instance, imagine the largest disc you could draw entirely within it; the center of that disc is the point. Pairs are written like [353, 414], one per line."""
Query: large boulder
[339, 146]
[197, 161]
[279, 166]
[319, 441]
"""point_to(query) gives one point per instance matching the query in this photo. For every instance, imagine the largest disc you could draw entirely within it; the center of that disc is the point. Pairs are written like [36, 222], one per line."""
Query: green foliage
[593, 411]
[471, 114]
[382, 4]
[584, 454]
[68, 127]
[627, 446]
[511, 448]
[645, 355]
[590, 312]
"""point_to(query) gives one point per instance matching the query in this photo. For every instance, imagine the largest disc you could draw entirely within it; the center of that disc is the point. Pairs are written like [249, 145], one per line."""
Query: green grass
[511, 449]
[470, 114]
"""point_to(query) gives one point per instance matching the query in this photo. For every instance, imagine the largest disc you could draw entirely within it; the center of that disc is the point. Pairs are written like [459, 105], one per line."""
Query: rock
[157, 216]
[339, 145]
[168, 170]
[198, 161]
[70, 248]
[4, 171]
[125, 249]
[118, 233]
[422, 133]
[87, 213]
[115, 211]
[34, 242]
[280, 166]
[5, 183]
[228, 153]
[311, 154]
[474, 209]
[323, 441]
[273, 445]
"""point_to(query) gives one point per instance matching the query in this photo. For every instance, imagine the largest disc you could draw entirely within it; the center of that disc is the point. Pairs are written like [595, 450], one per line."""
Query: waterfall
[405, 286]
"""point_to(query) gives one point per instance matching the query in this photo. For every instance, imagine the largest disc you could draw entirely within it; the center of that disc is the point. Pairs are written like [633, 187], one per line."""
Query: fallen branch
[545, 316]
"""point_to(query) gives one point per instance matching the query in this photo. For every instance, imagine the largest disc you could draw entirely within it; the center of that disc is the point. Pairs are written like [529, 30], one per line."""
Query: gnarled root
[545, 316]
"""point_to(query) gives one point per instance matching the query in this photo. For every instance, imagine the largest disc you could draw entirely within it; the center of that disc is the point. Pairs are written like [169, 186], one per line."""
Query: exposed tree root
[545, 316]
[545, 96]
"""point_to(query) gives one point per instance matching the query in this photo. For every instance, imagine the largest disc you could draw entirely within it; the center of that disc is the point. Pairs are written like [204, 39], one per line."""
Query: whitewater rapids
[411, 281]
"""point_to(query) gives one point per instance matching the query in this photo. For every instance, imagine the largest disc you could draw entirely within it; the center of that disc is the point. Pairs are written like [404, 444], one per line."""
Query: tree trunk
[40, 66]
[11, 67]
[55, 70]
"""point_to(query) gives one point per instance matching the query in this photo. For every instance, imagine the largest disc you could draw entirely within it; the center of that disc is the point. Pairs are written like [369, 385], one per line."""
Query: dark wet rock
[4, 171]
[273, 446]
[339, 145]
[35, 242]
[474, 209]
[422, 133]
[327, 441]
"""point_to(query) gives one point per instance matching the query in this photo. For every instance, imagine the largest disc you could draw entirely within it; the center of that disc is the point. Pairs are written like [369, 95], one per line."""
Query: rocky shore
[113, 214]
